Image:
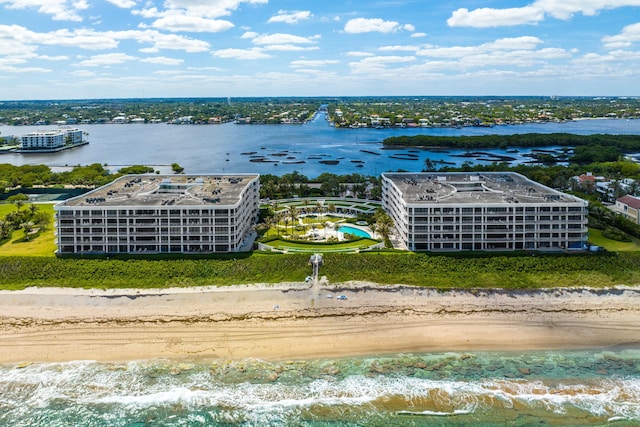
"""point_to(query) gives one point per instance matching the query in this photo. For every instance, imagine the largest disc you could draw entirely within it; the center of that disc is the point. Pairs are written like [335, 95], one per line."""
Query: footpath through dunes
[298, 320]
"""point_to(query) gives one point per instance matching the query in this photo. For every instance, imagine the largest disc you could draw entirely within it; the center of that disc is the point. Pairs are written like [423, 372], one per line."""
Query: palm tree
[5, 229]
[28, 228]
[293, 213]
[320, 207]
[331, 208]
[384, 224]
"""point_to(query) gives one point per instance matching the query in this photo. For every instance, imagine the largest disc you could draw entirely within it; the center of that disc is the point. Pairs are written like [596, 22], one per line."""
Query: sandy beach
[298, 320]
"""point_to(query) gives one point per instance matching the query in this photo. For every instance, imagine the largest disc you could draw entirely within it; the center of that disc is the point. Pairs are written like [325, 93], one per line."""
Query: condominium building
[51, 139]
[482, 211]
[160, 214]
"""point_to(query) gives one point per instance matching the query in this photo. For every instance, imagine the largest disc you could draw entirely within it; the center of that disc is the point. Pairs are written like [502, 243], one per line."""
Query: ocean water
[225, 148]
[594, 388]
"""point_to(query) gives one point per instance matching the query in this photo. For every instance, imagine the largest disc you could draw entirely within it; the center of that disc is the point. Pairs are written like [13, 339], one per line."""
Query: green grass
[42, 246]
[596, 238]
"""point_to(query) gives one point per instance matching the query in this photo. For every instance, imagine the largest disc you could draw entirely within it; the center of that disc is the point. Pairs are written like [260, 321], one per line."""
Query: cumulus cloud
[123, 4]
[280, 38]
[311, 63]
[194, 24]
[290, 17]
[106, 59]
[376, 64]
[365, 25]
[242, 54]
[487, 17]
[359, 54]
[163, 60]
[418, 35]
[208, 8]
[288, 47]
[532, 13]
[629, 35]
[507, 52]
[60, 10]
[82, 38]
[399, 48]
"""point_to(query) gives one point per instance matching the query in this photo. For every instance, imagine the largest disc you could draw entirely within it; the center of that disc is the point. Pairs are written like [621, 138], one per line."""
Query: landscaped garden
[309, 225]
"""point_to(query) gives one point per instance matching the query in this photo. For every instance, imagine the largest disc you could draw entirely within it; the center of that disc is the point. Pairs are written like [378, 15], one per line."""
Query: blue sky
[69, 49]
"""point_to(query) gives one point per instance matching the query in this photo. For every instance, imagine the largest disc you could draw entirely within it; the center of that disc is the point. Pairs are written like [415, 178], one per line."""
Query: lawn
[43, 245]
[361, 244]
[596, 238]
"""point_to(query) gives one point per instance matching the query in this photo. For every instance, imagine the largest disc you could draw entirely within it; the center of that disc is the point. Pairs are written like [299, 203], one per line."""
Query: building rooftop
[630, 201]
[167, 190]
[482, 187]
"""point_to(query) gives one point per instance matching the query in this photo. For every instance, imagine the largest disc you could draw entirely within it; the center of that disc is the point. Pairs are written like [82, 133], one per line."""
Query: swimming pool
[355, 231]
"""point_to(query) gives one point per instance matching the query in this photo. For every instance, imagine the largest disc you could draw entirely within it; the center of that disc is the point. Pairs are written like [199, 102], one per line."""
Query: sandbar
[301, 320]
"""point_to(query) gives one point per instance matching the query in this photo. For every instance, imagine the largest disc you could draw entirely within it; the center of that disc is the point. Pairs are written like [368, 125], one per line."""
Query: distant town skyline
[80, 49]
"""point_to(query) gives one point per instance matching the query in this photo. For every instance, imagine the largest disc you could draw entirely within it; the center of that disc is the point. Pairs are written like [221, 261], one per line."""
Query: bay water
[232, 148]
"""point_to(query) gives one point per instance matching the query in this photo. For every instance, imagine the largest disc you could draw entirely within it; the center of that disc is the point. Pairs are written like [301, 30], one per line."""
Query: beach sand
[297, 320]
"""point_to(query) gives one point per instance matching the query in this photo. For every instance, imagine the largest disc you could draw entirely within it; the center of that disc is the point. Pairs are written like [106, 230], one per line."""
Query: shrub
[615, 234]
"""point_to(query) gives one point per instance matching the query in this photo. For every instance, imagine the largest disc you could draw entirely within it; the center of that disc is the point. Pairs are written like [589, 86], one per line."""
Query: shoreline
[299, 321]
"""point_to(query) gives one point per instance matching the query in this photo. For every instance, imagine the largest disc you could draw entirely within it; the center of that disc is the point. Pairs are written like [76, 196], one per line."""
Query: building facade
[160, 214]
[51, 139]
[629, 206]
[482, 211]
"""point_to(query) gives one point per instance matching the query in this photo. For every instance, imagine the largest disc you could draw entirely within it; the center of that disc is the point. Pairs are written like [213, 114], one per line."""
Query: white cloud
[163, 60]
[507, 52]
[106, 59]
[123, 4]
[164, 41]
[359, 54]
[83, 38]
[487, 17]
[377, 64]
[567, 8]
[408, 27]
[513, 43]
[533, 13]
[242, 54]
[364, 25]
[194, 24]
[11, 69]
[399, 48]
[249, 35]
[83, 73]
[288, 47]
[60, 10]
[418, 35]
[208, 8]
[629, 35]
[310, 63]
[290, 17]
[53, 58]
[280, 38]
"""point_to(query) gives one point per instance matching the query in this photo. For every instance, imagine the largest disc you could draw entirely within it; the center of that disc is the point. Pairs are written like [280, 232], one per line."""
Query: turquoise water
[354, 231]
[481, 389]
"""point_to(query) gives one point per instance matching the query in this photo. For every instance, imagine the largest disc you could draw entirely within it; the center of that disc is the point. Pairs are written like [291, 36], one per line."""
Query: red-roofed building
[629, 206]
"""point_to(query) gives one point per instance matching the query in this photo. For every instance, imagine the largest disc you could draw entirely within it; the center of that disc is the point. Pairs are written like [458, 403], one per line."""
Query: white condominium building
[51, 139]
[482, 211]
[160, 214]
